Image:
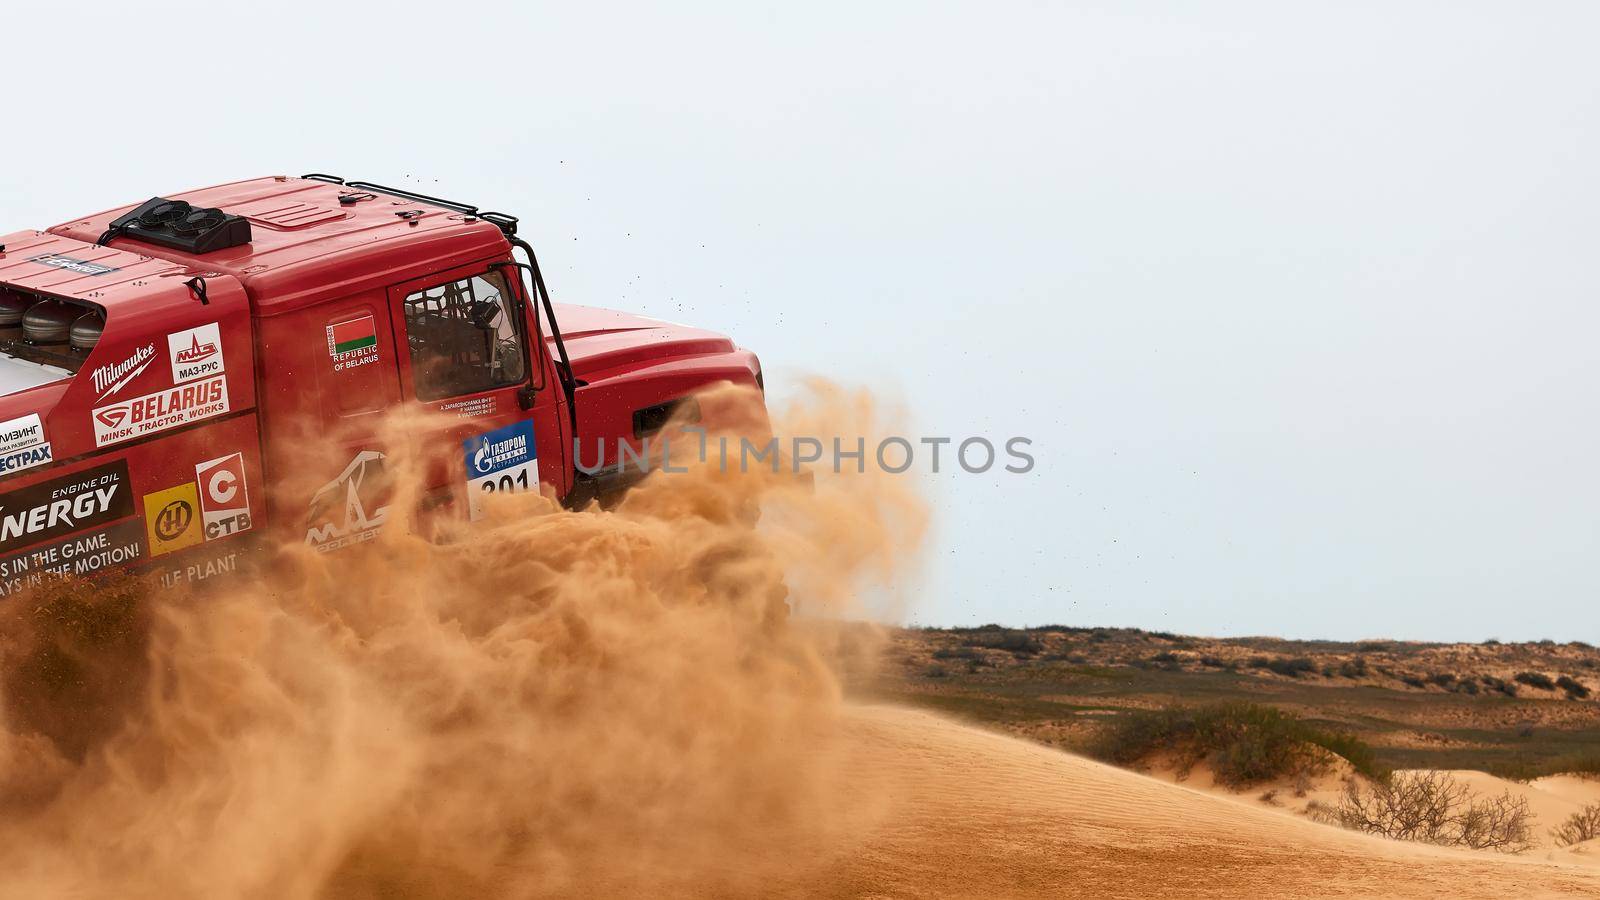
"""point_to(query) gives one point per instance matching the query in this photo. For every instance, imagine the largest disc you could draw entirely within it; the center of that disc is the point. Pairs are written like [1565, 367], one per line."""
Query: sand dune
[964, 812]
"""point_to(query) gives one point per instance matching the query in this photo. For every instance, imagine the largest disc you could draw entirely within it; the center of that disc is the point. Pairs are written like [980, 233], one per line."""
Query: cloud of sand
[550, 702]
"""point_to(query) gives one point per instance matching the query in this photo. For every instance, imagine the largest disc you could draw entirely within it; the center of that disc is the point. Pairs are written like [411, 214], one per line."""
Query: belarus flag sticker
[353, 342]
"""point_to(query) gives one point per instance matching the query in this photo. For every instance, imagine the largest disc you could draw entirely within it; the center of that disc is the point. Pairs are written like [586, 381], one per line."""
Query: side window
[465, 337]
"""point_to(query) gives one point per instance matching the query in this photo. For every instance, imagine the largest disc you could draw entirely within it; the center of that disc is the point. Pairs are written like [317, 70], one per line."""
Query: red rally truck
[163, 366]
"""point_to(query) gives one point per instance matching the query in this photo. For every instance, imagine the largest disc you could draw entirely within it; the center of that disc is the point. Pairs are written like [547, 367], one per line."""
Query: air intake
[176, 224]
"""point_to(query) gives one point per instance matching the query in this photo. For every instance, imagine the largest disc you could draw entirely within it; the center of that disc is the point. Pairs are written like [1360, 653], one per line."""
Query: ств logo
[224, 497]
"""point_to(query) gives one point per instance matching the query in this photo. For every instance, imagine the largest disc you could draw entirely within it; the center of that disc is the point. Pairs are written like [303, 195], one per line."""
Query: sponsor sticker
[22, 444]
[172, 519]
[82, 554]
[195, 353]
[353, 342]
[499, 461]
[21, 432]
[112, 377]
[351, 508]
[82, 267]
[63, 505]
[26, 458]
[224, 499]
[165, 409]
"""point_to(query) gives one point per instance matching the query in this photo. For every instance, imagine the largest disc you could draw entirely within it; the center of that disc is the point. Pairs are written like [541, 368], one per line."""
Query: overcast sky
[1297, 301]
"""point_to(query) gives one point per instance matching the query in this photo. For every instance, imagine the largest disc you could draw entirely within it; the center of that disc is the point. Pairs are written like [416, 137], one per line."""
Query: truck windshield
[43, 339]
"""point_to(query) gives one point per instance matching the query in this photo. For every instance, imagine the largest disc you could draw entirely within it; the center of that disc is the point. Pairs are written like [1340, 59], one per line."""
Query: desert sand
[965, 812]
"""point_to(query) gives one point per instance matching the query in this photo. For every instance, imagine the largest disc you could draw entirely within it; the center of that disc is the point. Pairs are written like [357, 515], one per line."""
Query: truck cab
[183, 378]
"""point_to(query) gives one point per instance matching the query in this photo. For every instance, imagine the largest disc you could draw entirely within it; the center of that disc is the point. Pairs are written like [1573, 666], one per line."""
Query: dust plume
[548, 702]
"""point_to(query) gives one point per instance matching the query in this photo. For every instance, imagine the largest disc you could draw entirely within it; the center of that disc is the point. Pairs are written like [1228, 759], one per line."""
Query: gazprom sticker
[500, 461]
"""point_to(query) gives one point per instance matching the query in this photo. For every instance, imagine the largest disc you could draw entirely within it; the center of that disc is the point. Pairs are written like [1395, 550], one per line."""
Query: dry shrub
[1583, 825]
[1435, 808]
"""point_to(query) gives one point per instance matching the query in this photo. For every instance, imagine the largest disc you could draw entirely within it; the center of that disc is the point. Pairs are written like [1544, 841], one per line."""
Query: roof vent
[176, 224]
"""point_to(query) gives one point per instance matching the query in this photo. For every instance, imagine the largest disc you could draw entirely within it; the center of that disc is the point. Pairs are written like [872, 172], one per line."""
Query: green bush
[1293, 668]
[1497, 684]
[1355, 667]
[1586, 763]
[1574, 688]
[1536, 680]
[1245, 743]
[993, 637]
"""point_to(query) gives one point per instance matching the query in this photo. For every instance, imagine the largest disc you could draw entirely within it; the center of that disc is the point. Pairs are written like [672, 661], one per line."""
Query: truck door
[466, 350]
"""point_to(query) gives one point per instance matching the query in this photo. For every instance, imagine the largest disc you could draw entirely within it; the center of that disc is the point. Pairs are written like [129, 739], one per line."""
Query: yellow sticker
[172, 519]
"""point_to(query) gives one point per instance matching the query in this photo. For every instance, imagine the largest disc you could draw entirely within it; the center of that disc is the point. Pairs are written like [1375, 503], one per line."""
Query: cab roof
[314, 237]
[65, 267]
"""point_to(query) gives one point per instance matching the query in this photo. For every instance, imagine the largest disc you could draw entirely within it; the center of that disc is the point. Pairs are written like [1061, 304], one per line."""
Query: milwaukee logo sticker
[172, 519]
[195, 353]
[353, 342]
[160, 411]
[112, 377]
